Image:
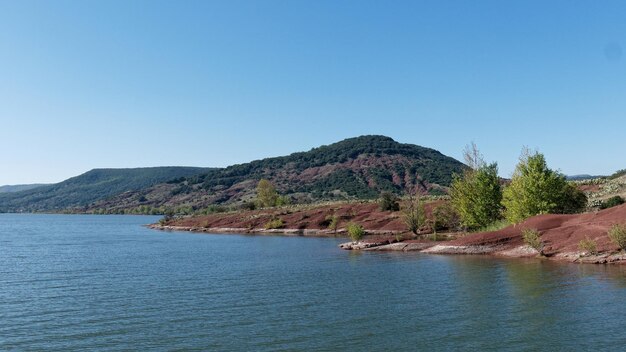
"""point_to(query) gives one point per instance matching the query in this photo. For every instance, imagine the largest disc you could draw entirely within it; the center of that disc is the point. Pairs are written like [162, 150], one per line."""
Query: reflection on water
[105, 282]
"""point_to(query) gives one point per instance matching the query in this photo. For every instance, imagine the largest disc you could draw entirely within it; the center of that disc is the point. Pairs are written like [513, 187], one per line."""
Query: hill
[90, 187]
[355, 168]
[18, 188]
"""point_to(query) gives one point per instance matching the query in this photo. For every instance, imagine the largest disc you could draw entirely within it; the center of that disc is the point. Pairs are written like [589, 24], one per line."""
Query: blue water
[77, 282]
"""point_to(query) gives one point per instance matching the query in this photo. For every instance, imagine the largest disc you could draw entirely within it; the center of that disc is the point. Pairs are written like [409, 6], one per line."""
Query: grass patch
[532, 238]
[494, 226]
[617, 234]
[588, 245]
[274, 224]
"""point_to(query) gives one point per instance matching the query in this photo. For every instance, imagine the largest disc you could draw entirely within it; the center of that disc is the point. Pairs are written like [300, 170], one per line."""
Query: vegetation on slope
[89, 187]
[19, 188]
[353, 169]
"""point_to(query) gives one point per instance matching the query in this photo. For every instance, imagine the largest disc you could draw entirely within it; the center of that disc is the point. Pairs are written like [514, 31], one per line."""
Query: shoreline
[388, 243]
[340, 233]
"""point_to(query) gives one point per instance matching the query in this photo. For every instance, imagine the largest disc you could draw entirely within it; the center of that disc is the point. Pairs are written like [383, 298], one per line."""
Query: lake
[77, 282]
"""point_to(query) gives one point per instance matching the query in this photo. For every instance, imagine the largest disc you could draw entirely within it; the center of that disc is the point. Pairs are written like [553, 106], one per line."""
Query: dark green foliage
[19, 188]
[431, 165]
[612, 202]
[572, 200]
[343, 180]
[388, 202]
[444, 217]
[356, 168]
[248, 206]
[97, 184]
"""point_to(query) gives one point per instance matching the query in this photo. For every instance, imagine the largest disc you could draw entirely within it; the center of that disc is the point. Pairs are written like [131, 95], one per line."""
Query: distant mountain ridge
[355, 168]
[18, 188]
[90, 187]
[582, 177]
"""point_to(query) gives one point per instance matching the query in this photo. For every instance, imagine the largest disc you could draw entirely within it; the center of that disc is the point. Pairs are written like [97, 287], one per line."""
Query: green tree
[476, 194]
[266, 194]
[536, 189]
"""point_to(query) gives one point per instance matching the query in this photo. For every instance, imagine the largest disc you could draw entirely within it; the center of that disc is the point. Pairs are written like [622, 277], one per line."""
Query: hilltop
[19, 188]
[352, 169]
[90, 187]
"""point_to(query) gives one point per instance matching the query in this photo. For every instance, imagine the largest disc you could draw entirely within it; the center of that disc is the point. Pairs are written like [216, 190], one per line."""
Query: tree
[476, 194]
[413, 213]
[388, 202]
[266, 194]
[536, 189]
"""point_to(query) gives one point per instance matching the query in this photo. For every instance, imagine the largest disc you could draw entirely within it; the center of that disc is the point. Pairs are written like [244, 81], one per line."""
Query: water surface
[76, 282]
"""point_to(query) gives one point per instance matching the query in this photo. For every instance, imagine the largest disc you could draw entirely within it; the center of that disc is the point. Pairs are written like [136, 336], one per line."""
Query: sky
[92, 84]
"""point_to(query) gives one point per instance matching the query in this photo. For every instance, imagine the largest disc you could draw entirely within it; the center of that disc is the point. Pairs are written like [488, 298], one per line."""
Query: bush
[274, 224]
[166, 219]
[333, 222]
[588, 245]
[388, 202]
[248, 206]
[355, 231]
[617, 234]
[536, 189]
[445, 217]
[533, 239]
[612, 202]
[282, 201]
[414, 215]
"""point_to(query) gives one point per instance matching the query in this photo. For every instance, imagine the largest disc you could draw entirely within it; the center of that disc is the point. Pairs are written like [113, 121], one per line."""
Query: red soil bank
[559, 233]
[367, 215]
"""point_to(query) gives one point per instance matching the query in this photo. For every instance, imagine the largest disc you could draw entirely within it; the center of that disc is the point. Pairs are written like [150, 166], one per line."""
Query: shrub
[414, 215]
[617, 234]
[588, 245]
[274, 224]
[248, 206]
[282, 201]
[612, 202]
[388, 202]
[165, 220]
[444, 217]
[355, 231]
[333, 222]
[533, 239]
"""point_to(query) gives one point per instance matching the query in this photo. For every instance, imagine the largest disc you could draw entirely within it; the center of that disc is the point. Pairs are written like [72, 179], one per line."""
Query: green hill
[90, 187]
[19, 188]
[355, 168]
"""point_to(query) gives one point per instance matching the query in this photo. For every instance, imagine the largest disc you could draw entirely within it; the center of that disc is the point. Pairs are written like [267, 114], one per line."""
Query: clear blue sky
[87, 84]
